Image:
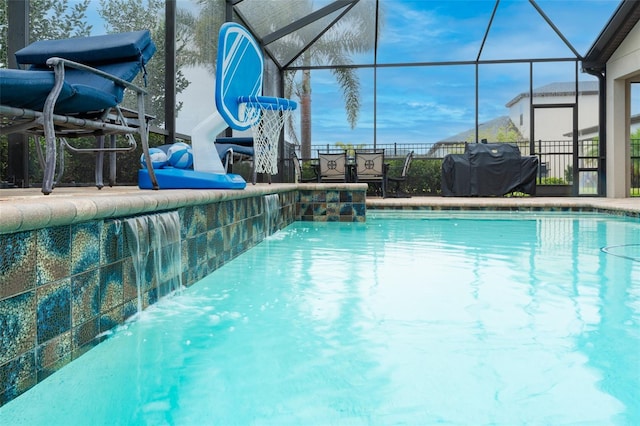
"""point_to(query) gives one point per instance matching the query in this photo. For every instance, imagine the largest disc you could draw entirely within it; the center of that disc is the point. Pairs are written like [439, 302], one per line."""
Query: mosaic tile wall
[332, 205]
[61, 287]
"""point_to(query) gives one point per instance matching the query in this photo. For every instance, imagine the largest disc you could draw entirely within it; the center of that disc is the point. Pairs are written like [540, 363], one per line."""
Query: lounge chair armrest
[52, 62]
[47, 119]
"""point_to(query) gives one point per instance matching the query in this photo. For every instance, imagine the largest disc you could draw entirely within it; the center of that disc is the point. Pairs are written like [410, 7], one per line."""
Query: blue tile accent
[129, 309]
[333, 196]
[112, 241]
[193, 221]
[186, 220]
[320, 196]
[17, 376]
[54, 310]
[17, 325]
[111, 319]
[129, 285]
[213, 216]
[359, 209]
[85, 246]
[346, 196]
[52, 355]
[85, 297]
[333, 209]
[346, 209]
[84, 336]
[111, 287]
[17, 263]
[54, 249]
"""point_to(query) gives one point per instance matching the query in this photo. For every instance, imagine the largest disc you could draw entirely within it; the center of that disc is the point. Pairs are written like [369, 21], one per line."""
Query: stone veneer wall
[62, 286]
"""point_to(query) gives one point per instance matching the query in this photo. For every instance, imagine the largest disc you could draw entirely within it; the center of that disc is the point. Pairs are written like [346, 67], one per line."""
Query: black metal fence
[555, 159]
[635, 167]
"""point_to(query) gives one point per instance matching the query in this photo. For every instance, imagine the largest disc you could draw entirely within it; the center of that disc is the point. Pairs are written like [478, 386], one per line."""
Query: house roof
[612, 35]
[634, 119]
[488, 130]
[559, 89]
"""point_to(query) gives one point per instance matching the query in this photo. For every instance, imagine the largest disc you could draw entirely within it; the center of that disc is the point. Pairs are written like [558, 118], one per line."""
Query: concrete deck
[631, 205]
[23, 209]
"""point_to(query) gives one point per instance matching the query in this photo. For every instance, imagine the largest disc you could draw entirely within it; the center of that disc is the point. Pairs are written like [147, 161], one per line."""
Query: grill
[488, 170]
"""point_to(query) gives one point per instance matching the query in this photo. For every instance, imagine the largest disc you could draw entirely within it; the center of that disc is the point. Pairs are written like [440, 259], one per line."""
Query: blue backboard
[238, 73]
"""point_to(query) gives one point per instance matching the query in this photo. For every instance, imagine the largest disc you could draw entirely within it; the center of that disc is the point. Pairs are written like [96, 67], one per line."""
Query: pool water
[458, 318]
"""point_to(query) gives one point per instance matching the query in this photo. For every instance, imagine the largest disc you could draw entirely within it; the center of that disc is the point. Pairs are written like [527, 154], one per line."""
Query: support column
[618, 122]
[170, 72]
[18, 37]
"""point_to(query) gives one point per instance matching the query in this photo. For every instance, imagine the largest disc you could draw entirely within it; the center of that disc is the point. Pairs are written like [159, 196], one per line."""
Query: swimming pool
[461, 318]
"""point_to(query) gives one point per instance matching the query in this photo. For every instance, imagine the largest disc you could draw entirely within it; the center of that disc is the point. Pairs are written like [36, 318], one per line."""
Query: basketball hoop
[267, 116]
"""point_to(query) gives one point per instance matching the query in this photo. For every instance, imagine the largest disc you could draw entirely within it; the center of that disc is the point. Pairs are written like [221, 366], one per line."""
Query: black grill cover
[488, 170]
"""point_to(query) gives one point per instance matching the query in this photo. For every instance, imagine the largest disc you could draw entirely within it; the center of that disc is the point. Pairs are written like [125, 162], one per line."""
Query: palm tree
[349, 147]
[351, 34]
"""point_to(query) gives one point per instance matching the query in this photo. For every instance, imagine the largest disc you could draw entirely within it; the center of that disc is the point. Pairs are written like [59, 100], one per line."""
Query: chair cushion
[246, 141]
[29, 89]
[107, 48]
[124, 56]
[86, 99]
[238, 149]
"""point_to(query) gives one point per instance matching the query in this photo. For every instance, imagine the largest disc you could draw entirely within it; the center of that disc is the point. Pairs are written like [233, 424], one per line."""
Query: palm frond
[350, 85]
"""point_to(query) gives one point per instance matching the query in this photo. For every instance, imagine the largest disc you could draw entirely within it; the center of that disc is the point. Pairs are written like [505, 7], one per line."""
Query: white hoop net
[267, 121]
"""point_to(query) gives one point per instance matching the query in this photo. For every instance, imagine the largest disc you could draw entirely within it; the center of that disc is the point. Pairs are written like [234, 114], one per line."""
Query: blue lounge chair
[231, 149]
[72, 88]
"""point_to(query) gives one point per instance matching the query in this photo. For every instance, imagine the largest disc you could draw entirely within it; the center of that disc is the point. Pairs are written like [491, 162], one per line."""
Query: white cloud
[431, 103]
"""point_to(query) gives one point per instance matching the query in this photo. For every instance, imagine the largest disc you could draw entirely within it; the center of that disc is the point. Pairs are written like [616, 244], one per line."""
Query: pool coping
[27, 209]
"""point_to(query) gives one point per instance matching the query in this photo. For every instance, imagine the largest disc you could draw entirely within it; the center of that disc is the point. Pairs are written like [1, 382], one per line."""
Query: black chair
[297, 168]
[234, 149]
[403, 177]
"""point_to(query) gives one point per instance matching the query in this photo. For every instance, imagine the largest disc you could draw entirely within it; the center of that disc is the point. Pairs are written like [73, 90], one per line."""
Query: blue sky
[427, 104]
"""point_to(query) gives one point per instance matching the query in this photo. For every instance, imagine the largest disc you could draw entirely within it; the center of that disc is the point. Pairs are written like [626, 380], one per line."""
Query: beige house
[615, 59]
[552, 131]
[555, 124]
[604, 116]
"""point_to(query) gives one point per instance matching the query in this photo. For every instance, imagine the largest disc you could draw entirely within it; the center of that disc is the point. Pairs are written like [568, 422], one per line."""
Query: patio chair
[370, 168]
[397, 180]
[233, 149]
[73, 88]
[332, 167]
[297, 168]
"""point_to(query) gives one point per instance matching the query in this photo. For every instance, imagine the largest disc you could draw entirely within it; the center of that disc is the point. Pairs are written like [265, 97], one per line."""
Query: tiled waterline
[66, 275]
